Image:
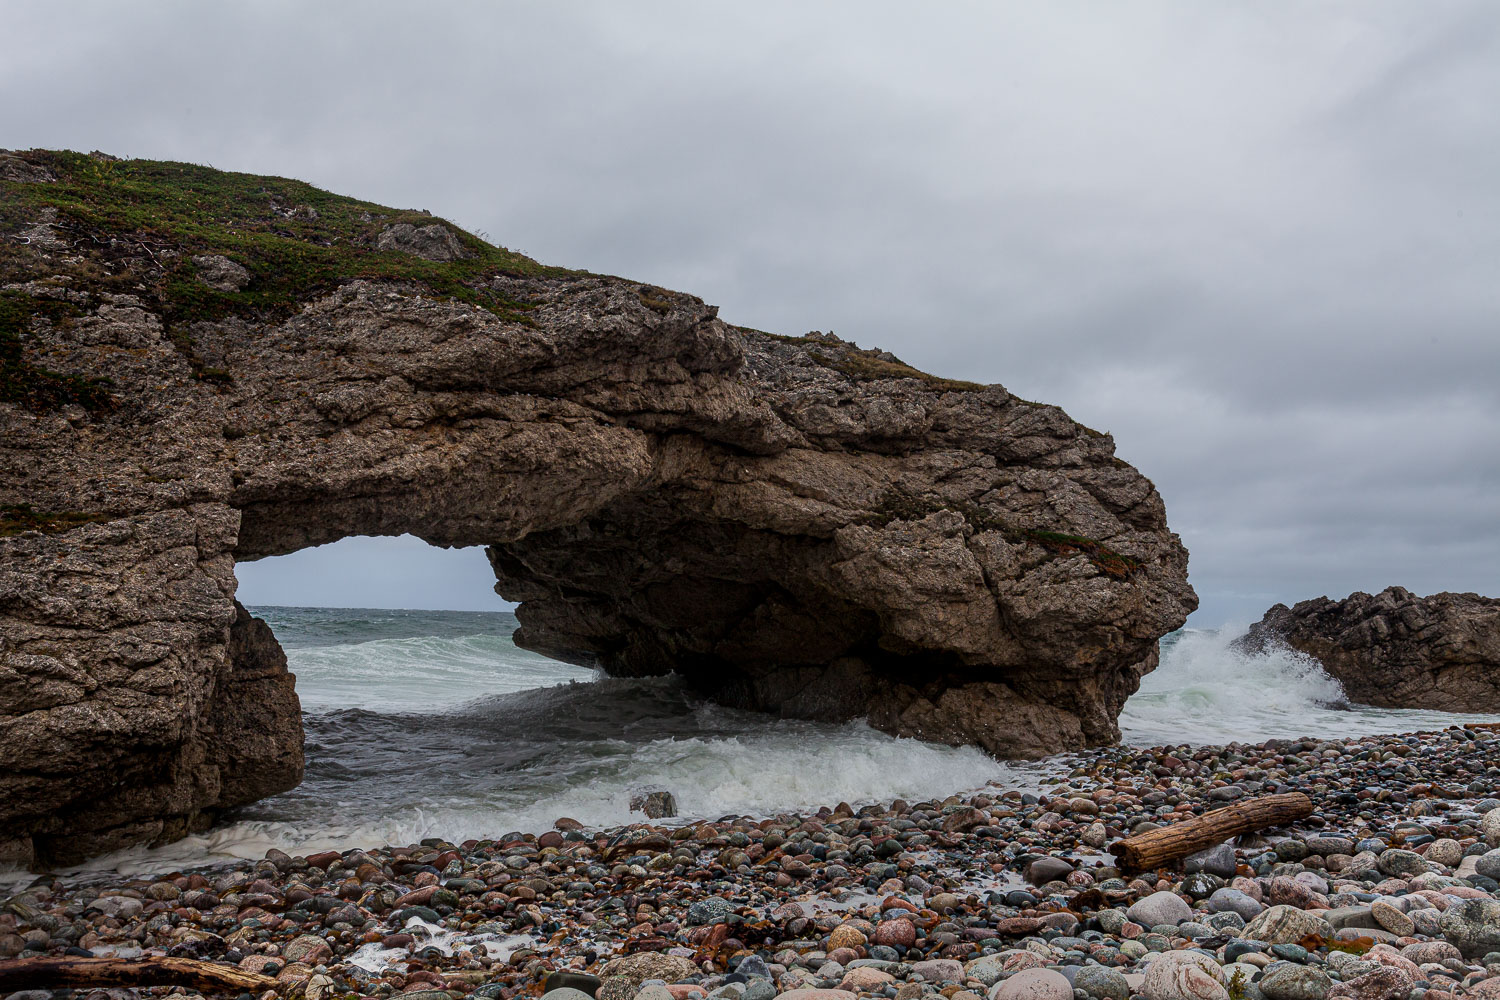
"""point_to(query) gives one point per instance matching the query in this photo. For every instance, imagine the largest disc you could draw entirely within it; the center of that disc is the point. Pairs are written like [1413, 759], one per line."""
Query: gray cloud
[1258, 242]
[402, 572]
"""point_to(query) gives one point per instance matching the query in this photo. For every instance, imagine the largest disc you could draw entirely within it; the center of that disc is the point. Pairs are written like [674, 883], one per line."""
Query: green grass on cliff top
[296, 240]
[133, 227]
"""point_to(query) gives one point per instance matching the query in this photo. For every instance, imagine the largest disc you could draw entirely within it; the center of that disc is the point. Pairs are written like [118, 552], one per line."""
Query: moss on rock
[18, 518]
[28, 384]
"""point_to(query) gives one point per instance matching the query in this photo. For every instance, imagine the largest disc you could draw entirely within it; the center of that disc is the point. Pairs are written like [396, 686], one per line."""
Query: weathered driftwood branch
[87, 973]
[1164, 846]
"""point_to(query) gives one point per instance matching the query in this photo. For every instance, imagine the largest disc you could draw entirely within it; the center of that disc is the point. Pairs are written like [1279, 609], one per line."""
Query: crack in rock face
[793, 525]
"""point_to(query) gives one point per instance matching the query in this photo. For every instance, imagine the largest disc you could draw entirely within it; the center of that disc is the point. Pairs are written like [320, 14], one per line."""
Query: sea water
[435, 724]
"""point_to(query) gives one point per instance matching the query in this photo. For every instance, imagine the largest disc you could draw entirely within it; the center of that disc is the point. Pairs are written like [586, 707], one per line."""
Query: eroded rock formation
[1395, 649]
[793, 524]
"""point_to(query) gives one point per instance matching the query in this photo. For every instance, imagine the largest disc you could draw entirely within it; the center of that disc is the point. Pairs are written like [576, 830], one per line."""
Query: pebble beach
[1387, 892]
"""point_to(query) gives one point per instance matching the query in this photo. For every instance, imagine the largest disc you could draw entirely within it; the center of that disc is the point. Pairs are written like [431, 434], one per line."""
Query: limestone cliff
[1395, 649]
[199, 368]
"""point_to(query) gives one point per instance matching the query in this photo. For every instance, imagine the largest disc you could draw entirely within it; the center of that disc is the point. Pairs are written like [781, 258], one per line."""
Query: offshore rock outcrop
[1395, 649]
[794, 525]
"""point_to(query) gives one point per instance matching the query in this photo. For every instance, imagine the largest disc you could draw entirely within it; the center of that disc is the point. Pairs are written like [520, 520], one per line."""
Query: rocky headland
[199, 368]
[1395, 649]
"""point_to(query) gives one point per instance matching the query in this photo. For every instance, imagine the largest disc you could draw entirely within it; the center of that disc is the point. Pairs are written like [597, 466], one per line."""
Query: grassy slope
[133, 227]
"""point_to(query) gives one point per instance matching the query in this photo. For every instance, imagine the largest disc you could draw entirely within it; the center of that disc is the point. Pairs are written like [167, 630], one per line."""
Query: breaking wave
[434, 724]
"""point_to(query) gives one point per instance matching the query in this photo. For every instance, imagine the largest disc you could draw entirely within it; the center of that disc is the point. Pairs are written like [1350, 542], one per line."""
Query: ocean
[434, 724]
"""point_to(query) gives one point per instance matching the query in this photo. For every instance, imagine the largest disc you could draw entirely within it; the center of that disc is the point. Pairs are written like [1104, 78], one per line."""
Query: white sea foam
[1206, 691]
[375, 957]
[759, 766]
[432, 730]
[840, 901]
[421, 673]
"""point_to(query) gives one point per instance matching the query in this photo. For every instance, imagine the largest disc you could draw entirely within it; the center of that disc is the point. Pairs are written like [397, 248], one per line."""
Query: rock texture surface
[792, 524]
[433, 242]
[1397, 650]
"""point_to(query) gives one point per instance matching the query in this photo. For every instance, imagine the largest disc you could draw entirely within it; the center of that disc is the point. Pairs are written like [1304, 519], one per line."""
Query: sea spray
[421, 673]
[407, 661]
[434, 724]
[1208, 692]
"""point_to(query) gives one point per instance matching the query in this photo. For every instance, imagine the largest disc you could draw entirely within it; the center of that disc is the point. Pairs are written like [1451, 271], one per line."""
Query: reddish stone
[865, 980]
[716, 936]
[1465, 892]
[417, 897]
[1018, 926]
[901, 933]
[964, 820]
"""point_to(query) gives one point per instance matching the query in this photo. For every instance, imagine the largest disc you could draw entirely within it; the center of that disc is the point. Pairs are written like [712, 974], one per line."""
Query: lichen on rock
[433, 242]
[220, 273]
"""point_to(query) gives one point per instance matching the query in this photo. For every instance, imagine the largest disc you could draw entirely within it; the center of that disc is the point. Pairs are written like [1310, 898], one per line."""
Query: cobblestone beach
[1387, 892]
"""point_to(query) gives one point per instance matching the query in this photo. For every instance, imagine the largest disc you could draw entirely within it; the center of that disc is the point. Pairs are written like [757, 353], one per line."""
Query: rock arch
[796, 525]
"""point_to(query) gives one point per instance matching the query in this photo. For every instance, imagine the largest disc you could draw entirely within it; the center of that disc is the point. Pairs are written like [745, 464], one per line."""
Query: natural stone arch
[794, 524]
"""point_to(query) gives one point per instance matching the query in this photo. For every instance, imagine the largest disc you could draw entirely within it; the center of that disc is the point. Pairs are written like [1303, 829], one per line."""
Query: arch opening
[369, 571]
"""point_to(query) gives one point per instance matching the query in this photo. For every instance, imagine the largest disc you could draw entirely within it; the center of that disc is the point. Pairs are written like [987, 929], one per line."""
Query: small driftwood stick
[1161, 847]
[88, 973]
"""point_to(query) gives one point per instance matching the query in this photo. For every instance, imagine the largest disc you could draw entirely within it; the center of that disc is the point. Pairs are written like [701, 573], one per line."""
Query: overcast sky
[1259, 242]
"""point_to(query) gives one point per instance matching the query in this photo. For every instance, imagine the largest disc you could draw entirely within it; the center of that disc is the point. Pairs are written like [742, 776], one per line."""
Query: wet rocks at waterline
[654, 803]
[1378, 894]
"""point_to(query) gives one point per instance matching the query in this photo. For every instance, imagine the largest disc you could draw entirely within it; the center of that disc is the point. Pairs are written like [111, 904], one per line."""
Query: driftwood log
[1166, 845]
[90, 973]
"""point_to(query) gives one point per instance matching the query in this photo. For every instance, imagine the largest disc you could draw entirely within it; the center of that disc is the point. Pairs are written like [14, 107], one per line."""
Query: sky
[1259, 242]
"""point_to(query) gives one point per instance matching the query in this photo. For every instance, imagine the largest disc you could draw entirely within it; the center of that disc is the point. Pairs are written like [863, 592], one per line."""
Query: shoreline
[993, 885]
[480, 775]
